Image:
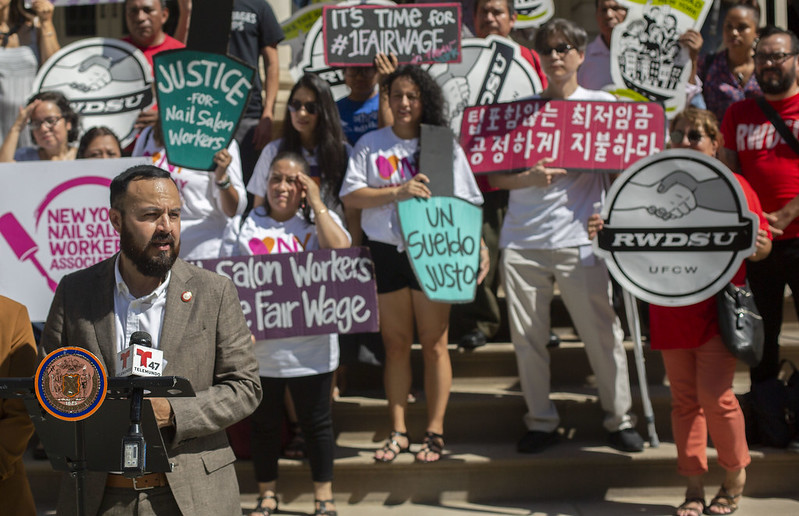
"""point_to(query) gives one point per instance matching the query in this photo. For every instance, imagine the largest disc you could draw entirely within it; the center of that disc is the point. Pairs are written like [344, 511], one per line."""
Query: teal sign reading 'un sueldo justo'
[442, 239]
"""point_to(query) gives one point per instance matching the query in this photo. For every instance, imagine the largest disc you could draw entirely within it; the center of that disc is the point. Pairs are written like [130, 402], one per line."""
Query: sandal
[322, 509]
[393, 447]
[688, 501]
[260, 510]
[295, 449]
[433, 444]
[724, 500]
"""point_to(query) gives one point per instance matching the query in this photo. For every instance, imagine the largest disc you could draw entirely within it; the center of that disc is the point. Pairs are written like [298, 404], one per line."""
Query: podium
[65, 441]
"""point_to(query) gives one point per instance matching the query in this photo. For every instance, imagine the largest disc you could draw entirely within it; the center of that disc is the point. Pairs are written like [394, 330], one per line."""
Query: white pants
[529, 276]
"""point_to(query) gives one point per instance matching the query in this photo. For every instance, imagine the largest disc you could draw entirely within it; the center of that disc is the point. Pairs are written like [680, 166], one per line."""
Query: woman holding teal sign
[383, 169]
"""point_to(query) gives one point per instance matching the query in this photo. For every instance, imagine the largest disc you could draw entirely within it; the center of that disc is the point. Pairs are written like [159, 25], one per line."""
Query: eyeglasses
[310, 107]
[776, 57]
[48, 122]
[694, 136]
[561, 49]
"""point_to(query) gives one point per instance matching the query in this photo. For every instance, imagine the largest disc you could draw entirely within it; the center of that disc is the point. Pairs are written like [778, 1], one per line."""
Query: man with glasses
[364, 110]
[754, 148]
[595, 71]
[545, 240]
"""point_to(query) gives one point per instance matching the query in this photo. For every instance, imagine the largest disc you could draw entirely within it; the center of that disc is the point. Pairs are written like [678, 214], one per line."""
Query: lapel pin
[186, 296]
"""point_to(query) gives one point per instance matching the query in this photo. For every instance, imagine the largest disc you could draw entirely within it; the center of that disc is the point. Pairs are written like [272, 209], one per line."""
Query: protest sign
[205, 32]
[492, 70]
[441, 236]
[310, 293]
[646, 60]
[308, 53]
[57, 224]
[107, 81]
[577, 135]
[437, 147]
[67, 3]
[532, 13]
[677, 227]
[201, 97]
[416, 34]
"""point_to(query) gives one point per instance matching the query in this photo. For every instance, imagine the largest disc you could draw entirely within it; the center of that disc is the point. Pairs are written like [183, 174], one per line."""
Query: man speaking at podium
[194, 317]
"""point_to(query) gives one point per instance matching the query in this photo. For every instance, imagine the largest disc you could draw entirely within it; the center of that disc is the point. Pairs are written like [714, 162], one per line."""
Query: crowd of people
[322, 184]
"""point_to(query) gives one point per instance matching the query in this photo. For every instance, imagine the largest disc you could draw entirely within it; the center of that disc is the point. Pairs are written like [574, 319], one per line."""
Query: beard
[779, 82]
[153, 266]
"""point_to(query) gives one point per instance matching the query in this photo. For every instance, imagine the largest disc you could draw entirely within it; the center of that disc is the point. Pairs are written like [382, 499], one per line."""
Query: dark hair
[509, 3]
[119, 185]
[433, 105]
[331, 156]
[750, 5]
[91, 135]
[571, 32]
[772, 30]
[298, 158]
[162, 2]
[18, 15]
[62, 103]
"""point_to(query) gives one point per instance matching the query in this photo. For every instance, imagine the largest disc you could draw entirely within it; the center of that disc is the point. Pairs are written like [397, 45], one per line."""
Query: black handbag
[740, 324]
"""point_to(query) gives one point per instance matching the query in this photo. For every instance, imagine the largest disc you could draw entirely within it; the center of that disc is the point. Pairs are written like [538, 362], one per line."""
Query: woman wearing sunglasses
[53, 125]
[699, 367]
[314, 131]
[384, 169]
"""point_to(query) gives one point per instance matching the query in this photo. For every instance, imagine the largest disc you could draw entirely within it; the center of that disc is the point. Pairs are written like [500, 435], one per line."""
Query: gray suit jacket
[205, 340]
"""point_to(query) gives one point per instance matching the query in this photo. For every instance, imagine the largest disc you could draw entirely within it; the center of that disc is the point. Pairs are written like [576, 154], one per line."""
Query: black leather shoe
[536, 441]
[473, 340]
[627, 440]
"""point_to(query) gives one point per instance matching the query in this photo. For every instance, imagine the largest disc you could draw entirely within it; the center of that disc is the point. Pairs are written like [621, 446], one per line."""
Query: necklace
[7, 35]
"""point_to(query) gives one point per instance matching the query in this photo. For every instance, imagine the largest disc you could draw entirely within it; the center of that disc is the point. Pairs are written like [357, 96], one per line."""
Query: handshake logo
[677, 227]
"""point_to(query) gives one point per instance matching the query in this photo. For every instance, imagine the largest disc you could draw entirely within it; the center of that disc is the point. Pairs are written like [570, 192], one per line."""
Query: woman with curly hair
[54, 126]
[384, 168]
[315, 133]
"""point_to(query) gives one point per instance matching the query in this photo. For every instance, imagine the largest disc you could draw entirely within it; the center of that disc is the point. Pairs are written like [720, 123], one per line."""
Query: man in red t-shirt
[754, 148]
[481, 318]
[145, 21]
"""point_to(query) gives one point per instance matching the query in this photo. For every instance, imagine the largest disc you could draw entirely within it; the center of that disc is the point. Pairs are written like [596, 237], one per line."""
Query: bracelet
[48, 34]
[223, 185]
[484, 248]
[321, 212]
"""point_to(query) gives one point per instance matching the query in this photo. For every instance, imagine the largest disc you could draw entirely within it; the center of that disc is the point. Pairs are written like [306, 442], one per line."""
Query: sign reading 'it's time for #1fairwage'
[201, 97]
[416, 34]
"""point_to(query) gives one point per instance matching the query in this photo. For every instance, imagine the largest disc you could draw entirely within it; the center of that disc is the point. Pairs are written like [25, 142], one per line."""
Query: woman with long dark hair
[384, 168]
[313, 130]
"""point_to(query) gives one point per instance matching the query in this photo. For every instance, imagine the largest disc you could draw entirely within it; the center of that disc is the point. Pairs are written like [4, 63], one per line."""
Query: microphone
[138, 359]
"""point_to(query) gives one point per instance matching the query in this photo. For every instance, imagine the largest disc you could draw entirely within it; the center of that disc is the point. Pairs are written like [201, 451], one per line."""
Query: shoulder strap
[778, 123]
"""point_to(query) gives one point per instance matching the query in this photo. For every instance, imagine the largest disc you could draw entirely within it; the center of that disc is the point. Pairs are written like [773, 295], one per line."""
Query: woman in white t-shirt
[293, 218]
[313, 130]
[384, 168]
[213, 200]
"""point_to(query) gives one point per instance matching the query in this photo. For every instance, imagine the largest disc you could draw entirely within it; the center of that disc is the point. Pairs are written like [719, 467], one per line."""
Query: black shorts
[393, 271]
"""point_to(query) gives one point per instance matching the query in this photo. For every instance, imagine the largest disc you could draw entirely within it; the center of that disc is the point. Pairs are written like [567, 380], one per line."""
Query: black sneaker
[536, 441]
[473, 340]
[627, 440]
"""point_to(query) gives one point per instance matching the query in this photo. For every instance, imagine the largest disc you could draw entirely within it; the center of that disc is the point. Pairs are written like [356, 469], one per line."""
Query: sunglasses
[561, 49]
[776, 57]
[694, 136]
[48, 122]
[310, 107]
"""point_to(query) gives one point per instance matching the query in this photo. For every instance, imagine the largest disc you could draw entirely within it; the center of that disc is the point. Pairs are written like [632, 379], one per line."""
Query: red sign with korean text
[577, 135]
